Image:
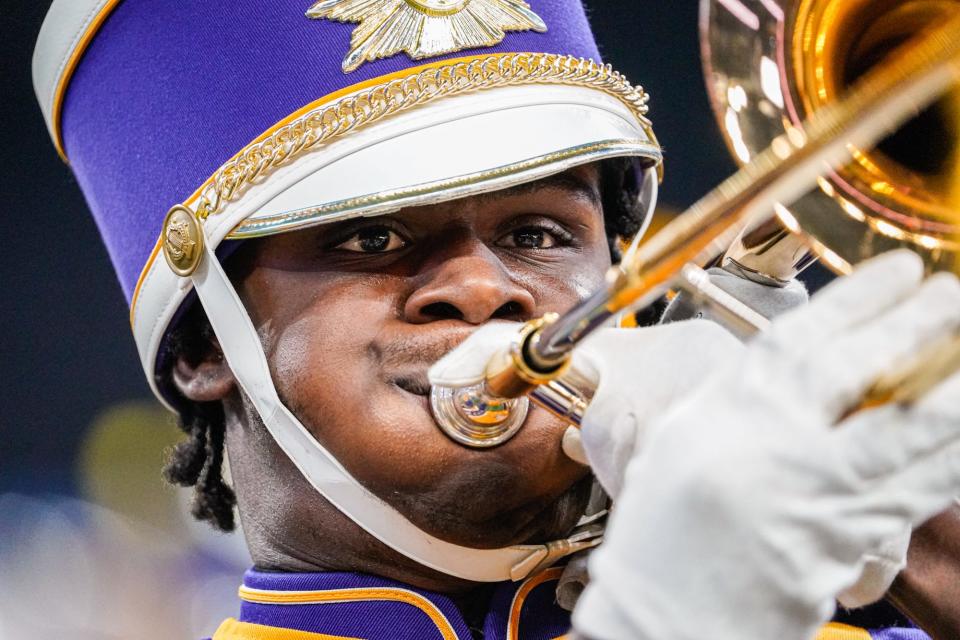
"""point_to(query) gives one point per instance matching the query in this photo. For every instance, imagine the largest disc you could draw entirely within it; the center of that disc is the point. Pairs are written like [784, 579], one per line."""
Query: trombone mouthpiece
[474, 417]
[491, 412]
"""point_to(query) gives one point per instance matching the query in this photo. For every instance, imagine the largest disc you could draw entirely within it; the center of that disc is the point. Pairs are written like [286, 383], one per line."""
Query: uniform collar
[322, 606]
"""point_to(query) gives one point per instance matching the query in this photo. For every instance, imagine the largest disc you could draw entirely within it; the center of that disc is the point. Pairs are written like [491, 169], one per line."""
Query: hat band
[390, 200]
[301, 133]
[336, 115]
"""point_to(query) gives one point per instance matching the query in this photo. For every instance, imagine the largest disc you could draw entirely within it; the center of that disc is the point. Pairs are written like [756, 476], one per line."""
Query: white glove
[467, 364]
[641, 373]
[608, 442]
[748, 512]
[881, 566]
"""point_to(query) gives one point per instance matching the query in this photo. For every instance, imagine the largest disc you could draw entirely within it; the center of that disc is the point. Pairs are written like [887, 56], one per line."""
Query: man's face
[353, 314]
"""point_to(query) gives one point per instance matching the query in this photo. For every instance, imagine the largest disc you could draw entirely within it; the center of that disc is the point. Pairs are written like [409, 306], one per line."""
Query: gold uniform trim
[83, 42]
[393, 96]
[837, 631]
[354, 595]
[520, 598]
[232, 629]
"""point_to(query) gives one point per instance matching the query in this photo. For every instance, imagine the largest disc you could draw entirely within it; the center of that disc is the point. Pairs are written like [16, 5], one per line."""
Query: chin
[525, 490]
[485, 500]
[539, 522]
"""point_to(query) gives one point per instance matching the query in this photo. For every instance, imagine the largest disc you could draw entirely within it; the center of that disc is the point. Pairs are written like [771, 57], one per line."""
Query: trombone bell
[771, 64]
[776, 70]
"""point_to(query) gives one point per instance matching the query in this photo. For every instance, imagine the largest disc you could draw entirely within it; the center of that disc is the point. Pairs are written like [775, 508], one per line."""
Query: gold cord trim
[344, 208]
[374, 100]
[330, 121]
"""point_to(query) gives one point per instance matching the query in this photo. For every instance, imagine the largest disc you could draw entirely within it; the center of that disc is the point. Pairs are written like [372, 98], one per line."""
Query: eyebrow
[566, 181]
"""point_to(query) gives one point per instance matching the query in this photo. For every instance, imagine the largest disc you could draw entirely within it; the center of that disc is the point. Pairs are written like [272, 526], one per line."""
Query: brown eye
[378, 239]
[529, 238]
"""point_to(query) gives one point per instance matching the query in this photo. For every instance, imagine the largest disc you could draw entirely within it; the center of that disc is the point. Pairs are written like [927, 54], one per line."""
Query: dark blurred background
[67, 352]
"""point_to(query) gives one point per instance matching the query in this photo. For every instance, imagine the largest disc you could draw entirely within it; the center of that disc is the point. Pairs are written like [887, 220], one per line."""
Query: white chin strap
[649, 191]
[244, 353]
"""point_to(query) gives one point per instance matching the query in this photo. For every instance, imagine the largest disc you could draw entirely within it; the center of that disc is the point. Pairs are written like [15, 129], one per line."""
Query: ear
[207, 378]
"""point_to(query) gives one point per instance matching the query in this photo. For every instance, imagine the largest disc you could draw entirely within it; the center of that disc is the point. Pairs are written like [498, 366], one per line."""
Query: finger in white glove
[768, 301]
[467, 364]
[881, 567]
[749, 505]
[642, 372]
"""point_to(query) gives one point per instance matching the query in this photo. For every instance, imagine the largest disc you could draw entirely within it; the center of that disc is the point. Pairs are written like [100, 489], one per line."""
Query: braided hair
[198, 461]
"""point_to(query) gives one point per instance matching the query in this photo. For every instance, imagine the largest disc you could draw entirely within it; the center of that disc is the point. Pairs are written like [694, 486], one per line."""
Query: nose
[470, 284]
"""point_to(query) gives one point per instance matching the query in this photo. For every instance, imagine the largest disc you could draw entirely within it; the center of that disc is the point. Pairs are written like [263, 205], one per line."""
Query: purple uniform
[352, 605]
[292, 606]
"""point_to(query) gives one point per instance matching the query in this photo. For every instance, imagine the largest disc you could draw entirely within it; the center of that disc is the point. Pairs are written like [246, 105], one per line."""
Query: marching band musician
[310, 204]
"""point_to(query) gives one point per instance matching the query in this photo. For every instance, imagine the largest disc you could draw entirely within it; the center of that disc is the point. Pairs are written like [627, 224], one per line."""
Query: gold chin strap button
[182, 239]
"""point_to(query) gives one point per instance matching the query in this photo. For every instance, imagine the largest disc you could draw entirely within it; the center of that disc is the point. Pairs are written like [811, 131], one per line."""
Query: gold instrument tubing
[907, 384]
[881, 101]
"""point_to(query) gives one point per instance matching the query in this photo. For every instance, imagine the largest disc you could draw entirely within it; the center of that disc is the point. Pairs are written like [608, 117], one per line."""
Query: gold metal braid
[330, 121]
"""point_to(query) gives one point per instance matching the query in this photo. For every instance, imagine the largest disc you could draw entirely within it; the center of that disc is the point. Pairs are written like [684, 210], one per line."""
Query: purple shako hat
[190, 123]
[266, 119]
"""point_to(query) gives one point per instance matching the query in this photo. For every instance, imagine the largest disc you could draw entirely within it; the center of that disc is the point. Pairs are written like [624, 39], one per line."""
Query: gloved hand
[749, 510]
[881, 566]
[648, 369]
[642, 371]
[609, 444]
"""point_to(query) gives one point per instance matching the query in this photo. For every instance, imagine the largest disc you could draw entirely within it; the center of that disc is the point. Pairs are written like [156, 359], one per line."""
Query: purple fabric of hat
[258, 121]
[167, 92]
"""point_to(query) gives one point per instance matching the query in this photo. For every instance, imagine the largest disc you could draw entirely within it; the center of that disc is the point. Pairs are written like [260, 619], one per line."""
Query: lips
[416, 384]
[405, 359]
[415, 387]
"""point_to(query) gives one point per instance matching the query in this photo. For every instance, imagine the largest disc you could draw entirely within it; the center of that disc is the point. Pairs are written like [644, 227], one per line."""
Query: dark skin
[351, 316]
[928, 590]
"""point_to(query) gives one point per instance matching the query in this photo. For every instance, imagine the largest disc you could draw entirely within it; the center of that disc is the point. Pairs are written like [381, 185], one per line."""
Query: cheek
[561, 285]
[328, 373]
[315, 355]
[319, 350]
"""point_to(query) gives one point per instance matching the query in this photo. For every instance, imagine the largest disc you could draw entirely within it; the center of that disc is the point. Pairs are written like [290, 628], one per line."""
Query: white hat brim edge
[479, 142]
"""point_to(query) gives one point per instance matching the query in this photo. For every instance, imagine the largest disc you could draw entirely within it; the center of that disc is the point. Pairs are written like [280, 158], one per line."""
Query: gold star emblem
[425, 28]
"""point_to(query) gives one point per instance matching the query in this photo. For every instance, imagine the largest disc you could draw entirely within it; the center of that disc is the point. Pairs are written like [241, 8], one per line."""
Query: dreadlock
[198, 461]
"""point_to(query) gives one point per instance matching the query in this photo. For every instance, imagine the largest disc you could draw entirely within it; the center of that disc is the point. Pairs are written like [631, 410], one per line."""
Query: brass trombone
[777, 70]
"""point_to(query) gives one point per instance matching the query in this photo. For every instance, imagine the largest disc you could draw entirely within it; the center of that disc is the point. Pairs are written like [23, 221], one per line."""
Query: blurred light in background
[125, 560]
